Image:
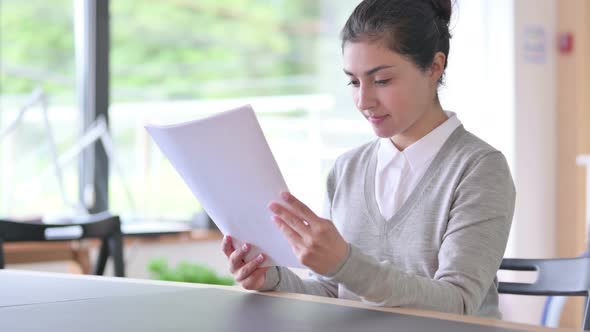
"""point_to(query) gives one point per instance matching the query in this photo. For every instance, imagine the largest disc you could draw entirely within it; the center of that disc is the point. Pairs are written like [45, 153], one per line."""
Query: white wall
[535, 88]
[535, 144]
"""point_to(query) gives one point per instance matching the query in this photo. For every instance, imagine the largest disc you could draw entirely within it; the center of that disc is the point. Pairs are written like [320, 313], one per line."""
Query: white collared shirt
[398, 172]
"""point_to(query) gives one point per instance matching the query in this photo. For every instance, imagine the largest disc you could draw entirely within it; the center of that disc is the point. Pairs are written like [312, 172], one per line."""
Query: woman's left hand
[315, 241]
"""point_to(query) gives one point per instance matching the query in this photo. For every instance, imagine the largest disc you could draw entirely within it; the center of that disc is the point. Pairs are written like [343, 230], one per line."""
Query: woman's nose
[365, 98]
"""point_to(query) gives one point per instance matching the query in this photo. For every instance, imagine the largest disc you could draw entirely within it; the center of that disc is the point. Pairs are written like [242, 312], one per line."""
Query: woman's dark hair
[416, 29]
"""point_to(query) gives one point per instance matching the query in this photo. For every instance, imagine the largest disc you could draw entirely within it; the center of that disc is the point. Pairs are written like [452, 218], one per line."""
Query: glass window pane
[179, 60]
[37, 54]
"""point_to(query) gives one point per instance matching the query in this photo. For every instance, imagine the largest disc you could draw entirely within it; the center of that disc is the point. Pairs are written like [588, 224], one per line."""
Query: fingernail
[260, 258]
[245, 247]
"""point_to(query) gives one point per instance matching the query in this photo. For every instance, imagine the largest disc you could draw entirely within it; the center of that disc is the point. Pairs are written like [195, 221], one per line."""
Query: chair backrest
[556, 277]
[94, 226]
[103, 226]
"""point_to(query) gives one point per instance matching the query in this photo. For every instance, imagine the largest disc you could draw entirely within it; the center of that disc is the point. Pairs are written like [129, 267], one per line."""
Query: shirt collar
[387, 153]
[423, 150]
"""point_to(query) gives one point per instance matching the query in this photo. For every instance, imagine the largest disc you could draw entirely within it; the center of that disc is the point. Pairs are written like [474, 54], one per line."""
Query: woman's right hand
[249, 274]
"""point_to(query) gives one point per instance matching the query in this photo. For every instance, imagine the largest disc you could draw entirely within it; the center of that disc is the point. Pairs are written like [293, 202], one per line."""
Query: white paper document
[227, 163]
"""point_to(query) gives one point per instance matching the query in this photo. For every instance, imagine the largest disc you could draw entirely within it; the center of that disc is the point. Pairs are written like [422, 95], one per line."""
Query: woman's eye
[353, 83]
[382, 82]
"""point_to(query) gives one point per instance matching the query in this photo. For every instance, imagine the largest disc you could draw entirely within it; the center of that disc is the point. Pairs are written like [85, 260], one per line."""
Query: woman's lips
[377, 119]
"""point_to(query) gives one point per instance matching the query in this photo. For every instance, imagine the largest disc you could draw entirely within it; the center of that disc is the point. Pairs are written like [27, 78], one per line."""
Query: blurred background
[518, 77]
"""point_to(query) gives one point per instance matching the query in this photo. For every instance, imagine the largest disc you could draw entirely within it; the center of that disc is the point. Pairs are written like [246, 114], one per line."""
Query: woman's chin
[383, 132]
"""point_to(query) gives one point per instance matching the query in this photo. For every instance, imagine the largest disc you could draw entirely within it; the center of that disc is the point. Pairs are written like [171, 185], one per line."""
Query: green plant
[186, 272]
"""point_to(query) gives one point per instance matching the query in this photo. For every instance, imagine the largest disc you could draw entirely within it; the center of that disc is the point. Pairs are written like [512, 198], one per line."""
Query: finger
[299, 209]
[291, 219]
[236, 259]
[227, 246]
[246, 270]
[294, 239]
[255, 281]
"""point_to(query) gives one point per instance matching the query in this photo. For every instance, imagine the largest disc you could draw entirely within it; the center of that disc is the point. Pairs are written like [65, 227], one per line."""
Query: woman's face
[389, 90]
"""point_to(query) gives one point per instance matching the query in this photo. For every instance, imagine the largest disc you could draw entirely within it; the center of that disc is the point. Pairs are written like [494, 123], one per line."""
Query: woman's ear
[438, 67]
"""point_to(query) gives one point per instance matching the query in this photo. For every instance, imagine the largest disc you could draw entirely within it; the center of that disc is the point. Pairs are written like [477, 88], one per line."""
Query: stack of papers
[227, 164]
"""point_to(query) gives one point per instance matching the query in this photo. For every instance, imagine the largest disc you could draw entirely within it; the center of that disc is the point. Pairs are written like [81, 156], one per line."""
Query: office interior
[80, 79]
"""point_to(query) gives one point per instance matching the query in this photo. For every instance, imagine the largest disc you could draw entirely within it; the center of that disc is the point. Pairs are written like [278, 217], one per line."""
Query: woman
[419, 217]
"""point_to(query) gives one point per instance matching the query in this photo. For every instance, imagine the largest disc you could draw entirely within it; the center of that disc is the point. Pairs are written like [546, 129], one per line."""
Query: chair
[556, 277]
[103, 226]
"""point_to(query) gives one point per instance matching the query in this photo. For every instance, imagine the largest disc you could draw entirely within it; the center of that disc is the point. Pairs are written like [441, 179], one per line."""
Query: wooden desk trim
[311, 298]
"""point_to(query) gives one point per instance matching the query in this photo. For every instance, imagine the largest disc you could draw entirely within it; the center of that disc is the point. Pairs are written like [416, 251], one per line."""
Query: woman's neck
[431, 119]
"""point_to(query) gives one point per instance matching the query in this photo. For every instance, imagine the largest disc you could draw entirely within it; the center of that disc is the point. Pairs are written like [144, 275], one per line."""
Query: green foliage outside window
[167, 49]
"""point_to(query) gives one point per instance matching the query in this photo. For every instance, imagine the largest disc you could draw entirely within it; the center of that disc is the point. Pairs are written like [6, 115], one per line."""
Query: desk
[55, 302]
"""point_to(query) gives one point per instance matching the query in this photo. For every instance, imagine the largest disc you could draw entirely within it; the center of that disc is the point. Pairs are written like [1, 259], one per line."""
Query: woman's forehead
[359, 57]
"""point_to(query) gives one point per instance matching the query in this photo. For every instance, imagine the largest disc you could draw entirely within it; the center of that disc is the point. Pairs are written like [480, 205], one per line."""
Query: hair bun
[442, 9]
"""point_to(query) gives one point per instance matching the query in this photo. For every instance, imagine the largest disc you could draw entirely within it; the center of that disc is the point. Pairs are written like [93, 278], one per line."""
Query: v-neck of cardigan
[400, 215]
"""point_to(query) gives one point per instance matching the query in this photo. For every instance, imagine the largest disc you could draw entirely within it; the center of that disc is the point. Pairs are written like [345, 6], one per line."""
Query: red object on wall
[566, 42]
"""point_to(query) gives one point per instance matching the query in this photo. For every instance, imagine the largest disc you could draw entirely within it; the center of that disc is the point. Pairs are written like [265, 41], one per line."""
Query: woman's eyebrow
[370, 71]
